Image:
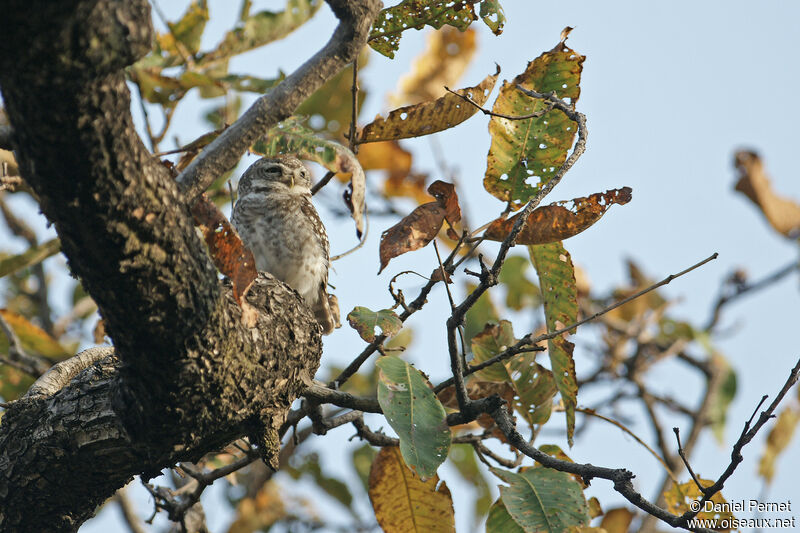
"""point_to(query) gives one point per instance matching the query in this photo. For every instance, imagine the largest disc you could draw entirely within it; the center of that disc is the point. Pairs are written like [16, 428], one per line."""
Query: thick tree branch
[355, 20]
[188, 375]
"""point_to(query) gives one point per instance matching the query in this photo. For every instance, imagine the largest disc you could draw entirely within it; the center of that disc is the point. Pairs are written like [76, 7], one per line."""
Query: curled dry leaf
[555, 222]
[428, 117]
[229, 254]
[414, 231]
[781, 213]
[419, 227]
[446, 56]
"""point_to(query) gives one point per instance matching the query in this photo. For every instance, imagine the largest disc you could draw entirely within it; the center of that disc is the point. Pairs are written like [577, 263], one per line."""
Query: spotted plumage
[276, 220]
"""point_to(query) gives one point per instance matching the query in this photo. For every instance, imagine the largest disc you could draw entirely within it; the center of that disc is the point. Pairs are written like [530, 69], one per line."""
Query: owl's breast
[285, 241]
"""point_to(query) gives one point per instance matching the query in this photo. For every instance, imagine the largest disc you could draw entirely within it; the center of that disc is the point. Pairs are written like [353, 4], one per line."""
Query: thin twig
[529, 342]
[745, 288]
[620, 425]
[677, 432]
[323, 182]
[535, 114]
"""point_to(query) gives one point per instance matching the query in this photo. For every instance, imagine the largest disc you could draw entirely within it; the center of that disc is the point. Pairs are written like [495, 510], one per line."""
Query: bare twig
[355, 21]
[740, 289]
[323, 182]
[528, 343]
[536, 114]
[677, 432]
[128, 512]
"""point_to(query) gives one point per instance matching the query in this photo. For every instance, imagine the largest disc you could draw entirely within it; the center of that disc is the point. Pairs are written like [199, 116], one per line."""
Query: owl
[276, 220]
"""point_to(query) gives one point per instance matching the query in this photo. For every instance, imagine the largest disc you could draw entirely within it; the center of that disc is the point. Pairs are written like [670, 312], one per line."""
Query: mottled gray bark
[187, 376]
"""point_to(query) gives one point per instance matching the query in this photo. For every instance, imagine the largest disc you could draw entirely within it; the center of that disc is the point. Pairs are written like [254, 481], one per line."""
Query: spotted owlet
[278, 223]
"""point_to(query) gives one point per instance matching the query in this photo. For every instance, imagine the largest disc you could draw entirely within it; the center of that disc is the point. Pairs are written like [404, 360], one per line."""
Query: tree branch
[355, 21]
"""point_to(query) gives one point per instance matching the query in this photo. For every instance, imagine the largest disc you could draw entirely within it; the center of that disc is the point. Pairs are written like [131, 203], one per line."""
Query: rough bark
[187, 376]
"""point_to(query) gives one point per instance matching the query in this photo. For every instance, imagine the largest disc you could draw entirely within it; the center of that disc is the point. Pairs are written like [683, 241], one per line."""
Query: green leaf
[543, 500]
[32, 256]
[365, 321]
[533, 384]
[292, 137]
[500, 521]
[334, 103]
[557, 281]
[720, 402]
[463, 457]
[492, 15]
[392, 21]
[525, 154]
[521, 293]
[188, 31]
[415, 414]
[262, 28]
[335, 488]
[488, 343]
[362, 461]
[480, 314]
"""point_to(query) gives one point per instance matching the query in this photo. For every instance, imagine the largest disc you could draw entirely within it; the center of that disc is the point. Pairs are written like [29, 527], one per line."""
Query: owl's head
[273, 174]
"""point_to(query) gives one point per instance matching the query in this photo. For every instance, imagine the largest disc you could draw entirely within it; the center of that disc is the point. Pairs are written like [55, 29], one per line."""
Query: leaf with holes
[541, 499]
[526, 154]
[30, 257]
[560, 294]
[492, 15]
[365, 321]
[229, 254]
[533, 384]
[554, 222]
[404, 502]
[428, 117]
[292, 137]
[393, 21]
[415, 414]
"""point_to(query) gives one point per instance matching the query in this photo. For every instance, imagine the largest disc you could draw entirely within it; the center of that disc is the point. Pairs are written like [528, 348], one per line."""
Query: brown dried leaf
[782, 214]
[444, 60]
[428, 117]
[414, 231]
[445, 194]
[229, 254]
[554, 222]
[411, 186]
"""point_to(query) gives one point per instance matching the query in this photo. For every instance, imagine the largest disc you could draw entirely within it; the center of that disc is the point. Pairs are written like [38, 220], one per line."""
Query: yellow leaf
[444, 60]
[33, 338]
[404, 503]
[777, 441]
[617, 520]
[428, 117]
